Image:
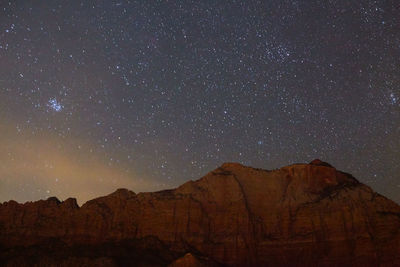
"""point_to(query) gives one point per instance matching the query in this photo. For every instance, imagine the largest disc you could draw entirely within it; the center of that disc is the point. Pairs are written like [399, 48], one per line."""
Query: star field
[96, 95]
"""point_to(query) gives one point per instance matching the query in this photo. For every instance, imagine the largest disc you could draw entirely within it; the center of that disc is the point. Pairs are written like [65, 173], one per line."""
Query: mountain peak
[70, 203]
[54, 200]
[123, 193]
[319, 162]
[231, 165]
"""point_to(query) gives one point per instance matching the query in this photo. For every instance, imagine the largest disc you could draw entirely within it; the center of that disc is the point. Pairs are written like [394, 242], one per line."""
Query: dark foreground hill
[299, 215]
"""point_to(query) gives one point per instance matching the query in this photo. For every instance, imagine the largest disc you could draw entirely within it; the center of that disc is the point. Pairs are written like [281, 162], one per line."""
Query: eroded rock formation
[302, 214]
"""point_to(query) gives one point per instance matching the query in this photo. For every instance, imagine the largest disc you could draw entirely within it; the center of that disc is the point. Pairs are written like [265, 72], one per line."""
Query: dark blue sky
[96, 95]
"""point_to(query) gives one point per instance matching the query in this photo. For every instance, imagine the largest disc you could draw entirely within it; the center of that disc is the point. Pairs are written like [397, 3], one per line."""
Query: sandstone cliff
[299, 215]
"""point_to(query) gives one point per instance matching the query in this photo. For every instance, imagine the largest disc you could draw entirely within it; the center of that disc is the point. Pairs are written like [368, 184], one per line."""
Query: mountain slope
[302, 214]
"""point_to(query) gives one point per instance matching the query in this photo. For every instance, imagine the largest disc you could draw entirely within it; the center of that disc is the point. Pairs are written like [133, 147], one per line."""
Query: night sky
[97, 95]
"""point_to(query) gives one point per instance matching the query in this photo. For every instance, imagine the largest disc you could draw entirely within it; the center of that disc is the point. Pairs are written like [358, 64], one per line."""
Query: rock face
[190, 260]
[299, 215]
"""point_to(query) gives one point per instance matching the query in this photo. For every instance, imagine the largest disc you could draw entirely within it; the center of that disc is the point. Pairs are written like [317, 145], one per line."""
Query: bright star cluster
[96, 95]
[55, 105]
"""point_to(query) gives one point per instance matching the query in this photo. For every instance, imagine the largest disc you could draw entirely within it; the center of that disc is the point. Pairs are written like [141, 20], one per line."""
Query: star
[55, 105]
[393, 98]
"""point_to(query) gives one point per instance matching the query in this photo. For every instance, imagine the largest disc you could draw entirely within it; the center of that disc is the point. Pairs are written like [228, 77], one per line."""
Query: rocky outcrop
[190, 260]
[302, 214]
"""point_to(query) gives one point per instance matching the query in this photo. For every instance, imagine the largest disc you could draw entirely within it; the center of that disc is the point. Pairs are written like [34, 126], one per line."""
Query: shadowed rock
[319, 162]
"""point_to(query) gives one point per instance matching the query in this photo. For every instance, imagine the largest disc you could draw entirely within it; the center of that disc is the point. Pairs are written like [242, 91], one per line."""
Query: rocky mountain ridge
[298, 215]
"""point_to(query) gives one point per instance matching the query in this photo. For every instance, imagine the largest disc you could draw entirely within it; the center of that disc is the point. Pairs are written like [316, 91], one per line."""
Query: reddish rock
[303, 214]
[190, 260]
[319, 162]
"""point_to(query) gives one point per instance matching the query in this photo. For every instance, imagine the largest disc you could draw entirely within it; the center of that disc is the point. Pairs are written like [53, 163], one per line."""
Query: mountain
[298, 215]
